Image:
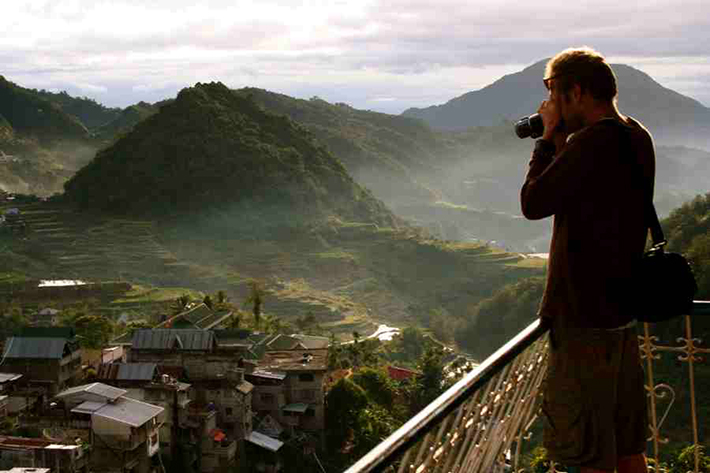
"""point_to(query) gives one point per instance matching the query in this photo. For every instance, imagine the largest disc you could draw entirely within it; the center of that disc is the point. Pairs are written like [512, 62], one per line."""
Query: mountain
[391, 155]
[125, 120]
[35, 117]
[672, 118]
[91, 113]
[415, 170]
[212, 148]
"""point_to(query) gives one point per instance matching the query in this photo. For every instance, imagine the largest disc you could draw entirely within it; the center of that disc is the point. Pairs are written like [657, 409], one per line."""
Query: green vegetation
[494, 321]
[386, 153]
[687, 230]
[28, 113]
[91, 113]
[123, 122]
[369, 405]
[211, 148]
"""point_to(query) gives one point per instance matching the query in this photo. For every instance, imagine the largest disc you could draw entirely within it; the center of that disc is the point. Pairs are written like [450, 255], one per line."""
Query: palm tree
[257, 298]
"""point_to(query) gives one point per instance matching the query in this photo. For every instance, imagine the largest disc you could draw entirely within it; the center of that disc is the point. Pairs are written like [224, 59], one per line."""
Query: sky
[384, 55]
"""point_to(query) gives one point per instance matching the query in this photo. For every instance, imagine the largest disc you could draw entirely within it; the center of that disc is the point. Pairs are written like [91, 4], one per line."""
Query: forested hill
[91, 113]
[125, 120]
[32, 116]
[213, 148]
[687, 229]
[396, 157]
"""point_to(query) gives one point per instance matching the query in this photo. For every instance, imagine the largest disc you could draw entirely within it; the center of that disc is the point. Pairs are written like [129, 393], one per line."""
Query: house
[26, 470]
[145, 382]
[125, 432]
[199, 316]
[212, 448]
[8, 382]
[49, 358]
[401, 374]
[47, 317]
[288, 385]
[39, 454]
[212, 370]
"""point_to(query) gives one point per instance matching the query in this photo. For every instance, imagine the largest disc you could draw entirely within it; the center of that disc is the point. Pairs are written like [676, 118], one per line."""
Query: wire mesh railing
[482, 423]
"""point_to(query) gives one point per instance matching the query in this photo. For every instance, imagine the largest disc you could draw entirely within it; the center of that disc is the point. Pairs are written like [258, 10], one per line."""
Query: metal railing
[482, 422]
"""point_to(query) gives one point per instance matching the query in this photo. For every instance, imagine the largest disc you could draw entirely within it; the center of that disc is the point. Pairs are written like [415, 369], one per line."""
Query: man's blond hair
[585, 67]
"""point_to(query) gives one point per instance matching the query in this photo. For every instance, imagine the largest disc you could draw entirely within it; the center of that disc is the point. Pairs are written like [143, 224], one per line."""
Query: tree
[180, 304]
[93, 331]
[344, 402]
[684, 460]
[235, 320]
[256, 298]
[430, 384]
[137, 324]
[379, 387]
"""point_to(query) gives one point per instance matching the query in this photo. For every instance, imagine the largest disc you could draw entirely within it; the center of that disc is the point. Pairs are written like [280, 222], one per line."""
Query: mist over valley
[355, 216]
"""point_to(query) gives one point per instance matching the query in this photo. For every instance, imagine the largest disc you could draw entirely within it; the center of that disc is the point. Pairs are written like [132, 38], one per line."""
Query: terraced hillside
[76, 246]
[347, 275]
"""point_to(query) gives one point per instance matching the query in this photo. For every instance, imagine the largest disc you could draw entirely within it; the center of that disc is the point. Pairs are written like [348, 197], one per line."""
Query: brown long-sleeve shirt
[596, 194]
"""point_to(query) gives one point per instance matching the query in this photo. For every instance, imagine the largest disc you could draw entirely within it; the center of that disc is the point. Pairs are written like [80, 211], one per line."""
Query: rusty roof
[294, 360]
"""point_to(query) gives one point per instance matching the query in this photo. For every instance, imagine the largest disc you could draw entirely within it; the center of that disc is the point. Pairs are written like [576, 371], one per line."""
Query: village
[216, 398]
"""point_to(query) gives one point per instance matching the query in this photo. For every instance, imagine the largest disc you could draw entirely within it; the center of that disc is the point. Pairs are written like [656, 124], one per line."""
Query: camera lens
[531, 126]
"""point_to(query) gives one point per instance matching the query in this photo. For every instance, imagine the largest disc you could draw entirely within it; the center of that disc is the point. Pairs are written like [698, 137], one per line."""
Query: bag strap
[650, 215]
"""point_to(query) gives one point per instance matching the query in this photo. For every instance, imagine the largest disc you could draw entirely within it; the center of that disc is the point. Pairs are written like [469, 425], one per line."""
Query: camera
[531, 126]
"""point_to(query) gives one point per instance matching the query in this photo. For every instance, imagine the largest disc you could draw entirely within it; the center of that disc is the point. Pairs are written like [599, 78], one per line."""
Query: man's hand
[551, 119]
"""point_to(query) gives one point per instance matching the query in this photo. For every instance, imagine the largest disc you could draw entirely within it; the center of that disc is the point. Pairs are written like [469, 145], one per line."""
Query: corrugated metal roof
[129, 411]
[97, 389]
[125, 410]
[312, 341]
[265, 441]
[37, 348]
[282, 342]
[136, 371]
[167, 339]
[267, 375]
[88, 407]
[5, 377]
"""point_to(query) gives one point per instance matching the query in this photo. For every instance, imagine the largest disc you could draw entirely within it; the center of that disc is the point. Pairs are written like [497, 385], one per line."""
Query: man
[593, 169]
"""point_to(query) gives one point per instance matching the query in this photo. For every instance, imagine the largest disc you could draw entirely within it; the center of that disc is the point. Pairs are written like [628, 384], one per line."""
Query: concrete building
[212, 370]
[124, 432]
[49, 358]
[8, 386]
[39, 453]
[288, 385]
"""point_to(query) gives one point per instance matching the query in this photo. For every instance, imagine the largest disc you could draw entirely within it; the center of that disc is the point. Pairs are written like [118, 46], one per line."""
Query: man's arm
[553, 181]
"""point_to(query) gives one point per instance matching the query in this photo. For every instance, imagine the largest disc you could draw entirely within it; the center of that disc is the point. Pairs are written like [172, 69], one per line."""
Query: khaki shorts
[594, 402]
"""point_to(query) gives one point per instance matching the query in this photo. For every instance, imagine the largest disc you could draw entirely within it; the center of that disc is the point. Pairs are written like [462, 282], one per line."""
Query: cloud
[351, 51]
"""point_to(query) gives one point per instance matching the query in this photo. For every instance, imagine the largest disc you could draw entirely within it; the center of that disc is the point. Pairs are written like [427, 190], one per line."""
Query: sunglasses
[547, 81]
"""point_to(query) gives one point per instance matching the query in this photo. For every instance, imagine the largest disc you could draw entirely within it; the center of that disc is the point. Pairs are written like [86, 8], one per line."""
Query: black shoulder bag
[664, 282]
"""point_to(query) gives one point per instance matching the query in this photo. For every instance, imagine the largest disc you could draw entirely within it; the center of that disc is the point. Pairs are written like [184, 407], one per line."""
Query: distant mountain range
[673, 118]
[460, 181]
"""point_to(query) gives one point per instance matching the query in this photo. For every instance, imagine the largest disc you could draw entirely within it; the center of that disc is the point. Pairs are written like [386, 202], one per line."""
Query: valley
[349, 276]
